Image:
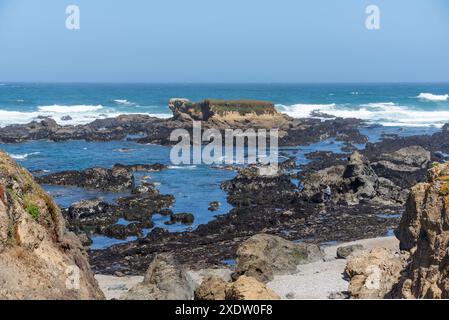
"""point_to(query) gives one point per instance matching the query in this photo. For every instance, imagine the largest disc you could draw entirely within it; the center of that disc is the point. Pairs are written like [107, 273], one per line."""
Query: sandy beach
[318, 280]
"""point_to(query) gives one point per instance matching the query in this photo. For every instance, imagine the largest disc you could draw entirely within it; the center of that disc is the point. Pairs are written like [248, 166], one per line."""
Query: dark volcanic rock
[252, 188]
[119, 231]
[97, 216]
[115, 179]
[354, 183]
[184, 218]
[89, 211]
[143, 167]
[405, 167]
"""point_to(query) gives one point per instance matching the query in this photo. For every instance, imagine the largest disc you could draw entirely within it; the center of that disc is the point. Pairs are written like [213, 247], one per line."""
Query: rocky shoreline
[369, 192]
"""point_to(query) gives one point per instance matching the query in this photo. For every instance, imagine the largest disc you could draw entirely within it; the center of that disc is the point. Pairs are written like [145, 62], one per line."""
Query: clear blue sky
[224, 41]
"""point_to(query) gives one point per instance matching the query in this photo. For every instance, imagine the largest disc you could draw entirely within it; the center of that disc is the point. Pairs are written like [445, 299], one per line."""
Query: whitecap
[433, 97]
[123, 101]
[181, 167]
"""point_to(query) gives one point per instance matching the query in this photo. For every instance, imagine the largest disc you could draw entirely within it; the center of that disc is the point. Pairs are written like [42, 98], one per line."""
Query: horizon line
[225, 82]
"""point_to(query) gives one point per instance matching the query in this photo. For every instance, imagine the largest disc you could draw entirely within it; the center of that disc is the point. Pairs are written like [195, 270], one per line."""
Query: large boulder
[248, 288]
[212, 288]
[344, 252]
[374, 273]
[38, 258]
[165, 279]
[263, 256]
[351, 184]
[424, 231]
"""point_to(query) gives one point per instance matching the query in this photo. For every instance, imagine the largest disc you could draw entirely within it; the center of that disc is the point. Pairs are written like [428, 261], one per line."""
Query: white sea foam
[182, 167]
[385, 113]
[433, 97]
[123, 102]
[22, 156]
[79, 114]
[69, 109]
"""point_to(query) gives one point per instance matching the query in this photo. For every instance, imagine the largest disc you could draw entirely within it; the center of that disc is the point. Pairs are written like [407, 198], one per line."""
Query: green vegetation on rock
[33, 210]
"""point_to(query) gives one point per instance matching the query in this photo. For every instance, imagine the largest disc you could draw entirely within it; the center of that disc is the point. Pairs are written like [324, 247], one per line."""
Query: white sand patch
[316, 280]
[320, 279]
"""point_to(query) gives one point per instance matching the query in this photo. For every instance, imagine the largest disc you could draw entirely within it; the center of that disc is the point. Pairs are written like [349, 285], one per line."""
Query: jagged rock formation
[165, 279]
[424, 231]
[263, 256]
[38, 258]
[373, 273]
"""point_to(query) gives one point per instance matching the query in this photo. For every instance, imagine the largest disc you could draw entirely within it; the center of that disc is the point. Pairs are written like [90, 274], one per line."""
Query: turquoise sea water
[403, 109]
[389, 104]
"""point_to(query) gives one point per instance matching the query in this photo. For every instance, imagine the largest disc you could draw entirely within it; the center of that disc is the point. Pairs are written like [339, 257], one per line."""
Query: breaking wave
[78, 114]
[22, 156]
[433, 97]
[384, 113]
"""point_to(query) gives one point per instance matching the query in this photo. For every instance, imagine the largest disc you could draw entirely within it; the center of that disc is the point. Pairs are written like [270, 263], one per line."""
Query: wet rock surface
[116, 179]
[352, 184]
[95, 216]
[286, 215]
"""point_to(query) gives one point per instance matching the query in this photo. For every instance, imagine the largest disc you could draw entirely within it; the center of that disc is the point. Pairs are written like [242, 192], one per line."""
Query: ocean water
[403, 109]
[409, 105]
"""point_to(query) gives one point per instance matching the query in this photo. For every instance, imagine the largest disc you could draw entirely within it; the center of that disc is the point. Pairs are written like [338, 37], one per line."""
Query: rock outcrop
[351, 184]
[165, 279]
[263, 256]
[38, 258]
[212, 108]
[405, 167]
[424, 231]
[374, 273]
